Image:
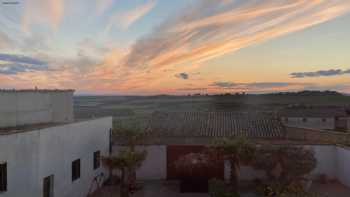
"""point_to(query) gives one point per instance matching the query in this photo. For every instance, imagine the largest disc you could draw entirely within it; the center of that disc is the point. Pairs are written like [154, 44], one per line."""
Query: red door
[174, 152]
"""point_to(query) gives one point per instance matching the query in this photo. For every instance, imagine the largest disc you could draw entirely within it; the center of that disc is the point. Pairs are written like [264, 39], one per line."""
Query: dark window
[97, 159]
[286, 119]
[324, 120]
[304, 119]
[3, 177]
[48, 186]
[110, 141]
[75, 169]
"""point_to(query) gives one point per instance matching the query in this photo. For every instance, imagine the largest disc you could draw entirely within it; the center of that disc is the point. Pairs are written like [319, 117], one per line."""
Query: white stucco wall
[33, 155]
[343, 165]
[155, 165]
[326, 160]
[247, 173]
[332, 161]
[32, 107]
[20, 152]
[315, 123]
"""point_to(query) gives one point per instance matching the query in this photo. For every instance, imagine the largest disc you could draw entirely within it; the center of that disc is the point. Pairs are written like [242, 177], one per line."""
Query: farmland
[124, 108]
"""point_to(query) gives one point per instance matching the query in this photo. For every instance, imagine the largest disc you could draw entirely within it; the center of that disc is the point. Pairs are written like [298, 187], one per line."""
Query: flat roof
[25, 128]
[35, 90]
[33, 127]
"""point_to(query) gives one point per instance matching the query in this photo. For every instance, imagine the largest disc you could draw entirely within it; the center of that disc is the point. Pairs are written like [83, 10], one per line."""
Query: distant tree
[130, 133]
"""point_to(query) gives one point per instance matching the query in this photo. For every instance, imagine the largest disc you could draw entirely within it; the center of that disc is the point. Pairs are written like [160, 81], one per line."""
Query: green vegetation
[287, 169]
[126, 161]
[236, 151]
[128, 158]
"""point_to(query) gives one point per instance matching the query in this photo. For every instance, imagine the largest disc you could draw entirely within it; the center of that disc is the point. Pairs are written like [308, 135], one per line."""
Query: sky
[148, 47]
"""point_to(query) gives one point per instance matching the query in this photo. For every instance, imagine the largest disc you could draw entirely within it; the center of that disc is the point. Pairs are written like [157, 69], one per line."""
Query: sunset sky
[175, 46]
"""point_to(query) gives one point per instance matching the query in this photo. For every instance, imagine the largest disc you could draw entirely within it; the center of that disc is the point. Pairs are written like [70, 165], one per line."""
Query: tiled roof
[315, 112]
[215, 124]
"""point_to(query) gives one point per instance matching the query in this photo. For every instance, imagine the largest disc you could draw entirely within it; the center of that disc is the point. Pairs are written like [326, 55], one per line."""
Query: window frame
[97, 160]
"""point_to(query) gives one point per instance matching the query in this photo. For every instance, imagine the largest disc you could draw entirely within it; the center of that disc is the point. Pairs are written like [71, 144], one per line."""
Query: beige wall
[316, 123]
[33, 107]
[317, 136]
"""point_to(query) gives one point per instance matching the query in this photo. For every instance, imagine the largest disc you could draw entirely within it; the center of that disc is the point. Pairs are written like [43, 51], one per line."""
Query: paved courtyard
[171, 189]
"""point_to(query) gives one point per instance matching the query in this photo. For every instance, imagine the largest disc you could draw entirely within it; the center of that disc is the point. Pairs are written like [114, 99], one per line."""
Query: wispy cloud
[210, 29]
[14, 69]
[320, 73]
[15, 64]
[103, 5]
[125, 19]
[21, 59]
[49, 12]
[5, 41]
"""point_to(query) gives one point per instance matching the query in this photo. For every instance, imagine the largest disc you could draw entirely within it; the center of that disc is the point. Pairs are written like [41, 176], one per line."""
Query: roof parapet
[36, 90]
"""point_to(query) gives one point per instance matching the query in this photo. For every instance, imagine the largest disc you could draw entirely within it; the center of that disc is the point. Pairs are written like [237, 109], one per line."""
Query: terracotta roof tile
[215, 124]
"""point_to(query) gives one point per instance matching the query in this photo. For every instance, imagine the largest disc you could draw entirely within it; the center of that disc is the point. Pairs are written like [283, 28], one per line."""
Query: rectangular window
[97, 159]
[48, 186]
[75, 169]
[324, 120]
[3, 177]
[304, 119]
[110, 141]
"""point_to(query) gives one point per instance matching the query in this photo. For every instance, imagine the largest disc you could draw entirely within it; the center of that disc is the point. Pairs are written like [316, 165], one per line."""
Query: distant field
[126, 108]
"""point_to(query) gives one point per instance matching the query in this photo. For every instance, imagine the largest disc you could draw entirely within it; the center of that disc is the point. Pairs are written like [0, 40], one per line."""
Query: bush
[286, 168]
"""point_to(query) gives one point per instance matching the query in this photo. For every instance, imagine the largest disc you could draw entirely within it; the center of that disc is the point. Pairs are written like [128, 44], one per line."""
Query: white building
[46, 153]
[324, 118]
[171, 135]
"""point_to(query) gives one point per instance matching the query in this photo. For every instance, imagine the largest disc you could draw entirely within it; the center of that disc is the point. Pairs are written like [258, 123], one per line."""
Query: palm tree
[126, 159]
[236, 151]
[130, 135]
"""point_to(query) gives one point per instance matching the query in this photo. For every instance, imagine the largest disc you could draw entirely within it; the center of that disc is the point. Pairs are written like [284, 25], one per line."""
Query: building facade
[332, 161]
[323, 118]
[53, 158]
[171, 135]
